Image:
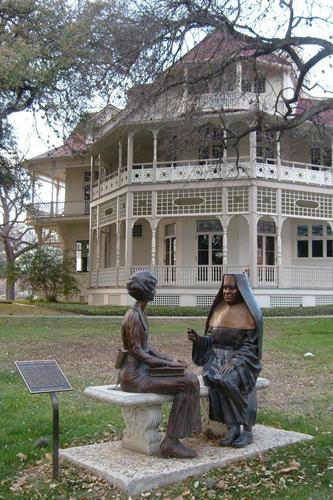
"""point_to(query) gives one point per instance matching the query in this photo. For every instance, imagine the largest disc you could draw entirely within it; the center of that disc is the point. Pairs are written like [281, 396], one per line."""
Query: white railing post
[129, 156]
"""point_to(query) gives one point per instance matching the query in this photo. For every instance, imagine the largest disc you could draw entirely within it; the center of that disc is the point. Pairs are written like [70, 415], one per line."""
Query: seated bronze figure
[147, 370]
[230, 353]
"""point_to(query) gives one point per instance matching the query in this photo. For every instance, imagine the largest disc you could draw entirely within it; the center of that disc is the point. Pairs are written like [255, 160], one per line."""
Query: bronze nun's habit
[232, 395]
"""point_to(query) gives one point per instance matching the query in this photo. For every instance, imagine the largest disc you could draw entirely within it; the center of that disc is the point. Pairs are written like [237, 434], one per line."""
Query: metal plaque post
[46, 376]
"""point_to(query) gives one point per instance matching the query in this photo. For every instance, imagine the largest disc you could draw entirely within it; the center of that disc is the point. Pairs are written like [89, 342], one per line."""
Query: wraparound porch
[206, 277]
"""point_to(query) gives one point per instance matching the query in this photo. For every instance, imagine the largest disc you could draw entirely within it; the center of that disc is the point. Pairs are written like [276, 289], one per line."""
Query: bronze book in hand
[167, 371]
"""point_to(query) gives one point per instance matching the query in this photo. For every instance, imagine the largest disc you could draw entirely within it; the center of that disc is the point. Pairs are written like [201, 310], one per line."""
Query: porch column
[129, 234]
[253, 228]
[57, 191]
[91, 256]
[130, 156]
[98, 253]
[239, 76]
[99, 175]
[279, 222]
[52, 189]
[117, 252]
[225, 150]
[224, 223]
[120, 157]
[33, 189]
[92, 165]
[278, 156]
[155, 134]
[153, 244]
[253, 154]
[185, 86]
[153, 224]
[331, 162]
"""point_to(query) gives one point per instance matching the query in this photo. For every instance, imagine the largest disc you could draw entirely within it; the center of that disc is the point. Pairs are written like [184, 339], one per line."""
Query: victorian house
[164, 185]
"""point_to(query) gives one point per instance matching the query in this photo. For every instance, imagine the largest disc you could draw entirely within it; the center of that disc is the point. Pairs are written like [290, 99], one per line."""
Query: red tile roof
[220, 44]
[74, 145]
[325, 117]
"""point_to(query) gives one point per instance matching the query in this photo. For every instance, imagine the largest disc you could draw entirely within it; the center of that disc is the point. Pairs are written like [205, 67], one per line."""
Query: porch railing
[210, 169]
[58, 209]
[289, 277]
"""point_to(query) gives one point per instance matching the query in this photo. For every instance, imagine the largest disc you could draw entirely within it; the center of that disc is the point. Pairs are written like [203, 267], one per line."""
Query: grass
[85, 349]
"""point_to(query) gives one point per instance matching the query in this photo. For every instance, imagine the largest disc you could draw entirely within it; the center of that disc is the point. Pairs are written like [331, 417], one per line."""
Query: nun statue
[230, 353]
[147, 370]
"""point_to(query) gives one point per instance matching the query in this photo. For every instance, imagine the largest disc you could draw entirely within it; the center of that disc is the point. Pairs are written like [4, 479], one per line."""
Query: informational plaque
[43, 376]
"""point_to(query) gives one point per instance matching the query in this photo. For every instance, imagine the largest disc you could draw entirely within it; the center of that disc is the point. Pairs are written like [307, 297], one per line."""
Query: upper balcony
[237, 100]
[59, 210]
[210, 169]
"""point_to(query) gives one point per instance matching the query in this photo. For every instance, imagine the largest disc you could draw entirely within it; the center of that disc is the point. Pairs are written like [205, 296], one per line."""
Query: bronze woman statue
[147, 370]
[230, 353]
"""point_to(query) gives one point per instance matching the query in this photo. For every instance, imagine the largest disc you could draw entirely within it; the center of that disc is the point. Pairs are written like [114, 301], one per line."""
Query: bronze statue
[230, 353]
[147, 370]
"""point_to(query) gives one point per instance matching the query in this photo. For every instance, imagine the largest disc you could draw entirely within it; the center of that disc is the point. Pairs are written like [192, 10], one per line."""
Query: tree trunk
[10, 278]
[10, 288]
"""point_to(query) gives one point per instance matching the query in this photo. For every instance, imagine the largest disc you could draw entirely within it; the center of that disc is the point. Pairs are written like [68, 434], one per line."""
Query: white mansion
[149, 192]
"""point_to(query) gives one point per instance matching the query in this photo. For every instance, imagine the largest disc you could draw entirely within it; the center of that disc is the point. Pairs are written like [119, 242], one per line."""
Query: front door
[170, 252]
[266, 257]
[210, 255]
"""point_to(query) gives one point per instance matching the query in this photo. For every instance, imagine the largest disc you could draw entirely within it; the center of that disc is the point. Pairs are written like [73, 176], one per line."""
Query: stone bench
[142, 414]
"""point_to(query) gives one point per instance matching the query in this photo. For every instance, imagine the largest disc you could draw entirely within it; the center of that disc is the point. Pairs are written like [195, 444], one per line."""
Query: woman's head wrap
[142, 285]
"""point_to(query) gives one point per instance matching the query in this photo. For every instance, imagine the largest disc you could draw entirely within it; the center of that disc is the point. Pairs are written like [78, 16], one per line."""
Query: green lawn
[300, 399]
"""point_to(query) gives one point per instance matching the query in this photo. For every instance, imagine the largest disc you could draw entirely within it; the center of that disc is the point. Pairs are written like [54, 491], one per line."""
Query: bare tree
[17, 238]
[151, 39]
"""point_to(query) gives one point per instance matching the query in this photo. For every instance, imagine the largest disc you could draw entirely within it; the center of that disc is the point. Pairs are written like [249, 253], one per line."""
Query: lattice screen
[142, 203]
[204, 201]
[238, 199]
[323, 300]
[94, 217]
[108, 212]
[266, 200]
[166, 300]
[204, 300]
[122, 206]
[114, 299]
[322, 210]
[285, 301]
[98, 299]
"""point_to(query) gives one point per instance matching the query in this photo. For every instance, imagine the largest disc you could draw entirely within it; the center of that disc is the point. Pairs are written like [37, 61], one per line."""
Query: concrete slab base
[134, 473]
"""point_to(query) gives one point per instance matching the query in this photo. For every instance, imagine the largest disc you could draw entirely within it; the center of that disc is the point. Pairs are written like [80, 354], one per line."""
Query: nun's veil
[243, 286]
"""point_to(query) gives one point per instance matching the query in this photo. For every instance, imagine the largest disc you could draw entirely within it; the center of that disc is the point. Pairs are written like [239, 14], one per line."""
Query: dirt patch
[17, 309]
[294, 389]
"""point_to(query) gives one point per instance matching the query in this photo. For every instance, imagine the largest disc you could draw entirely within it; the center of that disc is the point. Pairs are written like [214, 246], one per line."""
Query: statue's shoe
[232, 435]
[244, 439]
[176, 450]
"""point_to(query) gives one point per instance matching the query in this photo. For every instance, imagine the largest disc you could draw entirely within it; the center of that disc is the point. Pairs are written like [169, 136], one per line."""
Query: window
[314, 241]
[266, 227]
[246, 86]
[204, 226]
[266, 146]
[321, 156]
[170, 229]
[137, 231]
[257, 85]
[82, 256]
[212, 143]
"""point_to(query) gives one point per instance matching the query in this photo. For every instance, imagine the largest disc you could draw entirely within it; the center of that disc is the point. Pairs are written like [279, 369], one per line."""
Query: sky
[34, 137]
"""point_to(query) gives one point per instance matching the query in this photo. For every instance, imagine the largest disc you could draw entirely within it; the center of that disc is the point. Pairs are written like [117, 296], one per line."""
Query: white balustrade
[210, 169]
[59, 209]
[211, 276]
